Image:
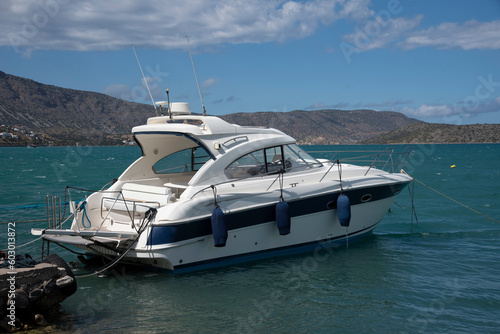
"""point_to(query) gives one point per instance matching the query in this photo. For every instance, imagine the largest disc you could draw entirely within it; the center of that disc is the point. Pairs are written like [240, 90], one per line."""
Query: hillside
[66, 115]
[60, 116]
[32, 113]
[326, 126]
[439, 133]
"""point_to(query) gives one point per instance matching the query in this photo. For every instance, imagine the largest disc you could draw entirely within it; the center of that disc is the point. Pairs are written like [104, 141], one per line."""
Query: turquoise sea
[440, 275]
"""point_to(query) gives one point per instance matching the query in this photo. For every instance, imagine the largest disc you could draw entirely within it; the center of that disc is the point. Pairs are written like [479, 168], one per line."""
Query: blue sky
[437, 61]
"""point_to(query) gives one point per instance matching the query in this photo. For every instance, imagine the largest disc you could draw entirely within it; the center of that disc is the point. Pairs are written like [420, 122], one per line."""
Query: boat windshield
[271, 160]
[301, 157]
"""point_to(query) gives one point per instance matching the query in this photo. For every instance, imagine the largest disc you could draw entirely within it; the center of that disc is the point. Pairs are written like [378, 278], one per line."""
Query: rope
[26, 244]
[84, 213]
[149, 215]
[214, 190]
[25, 221]
[66, 248]
[281, 179]
[412, 197]
[22, 207]
[451, 199]
[340, 176]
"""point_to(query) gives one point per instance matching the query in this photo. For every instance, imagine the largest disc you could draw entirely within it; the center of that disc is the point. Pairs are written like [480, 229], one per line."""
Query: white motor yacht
[207, 193]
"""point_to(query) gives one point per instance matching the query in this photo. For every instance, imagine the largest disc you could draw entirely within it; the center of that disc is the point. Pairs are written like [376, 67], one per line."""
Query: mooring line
[25, 221]
[26, 244]
[451, 199]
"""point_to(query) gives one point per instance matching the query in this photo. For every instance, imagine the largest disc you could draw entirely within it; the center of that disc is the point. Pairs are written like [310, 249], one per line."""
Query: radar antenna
[145, 81]
[196, 77]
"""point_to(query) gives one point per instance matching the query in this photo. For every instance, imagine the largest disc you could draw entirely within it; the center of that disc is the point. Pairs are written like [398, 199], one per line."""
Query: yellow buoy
[452, 166]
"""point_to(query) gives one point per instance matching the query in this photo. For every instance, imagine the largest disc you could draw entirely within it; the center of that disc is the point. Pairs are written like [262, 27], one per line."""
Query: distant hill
[315, 127]
[66, 115]
[36, 113]
[439, 133]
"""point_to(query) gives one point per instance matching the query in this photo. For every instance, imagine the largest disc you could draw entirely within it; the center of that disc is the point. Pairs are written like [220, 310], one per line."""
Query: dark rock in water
[40, 320]
[31, 294]
[35, 294]
[49, 286]
[67, 285]
[20, 299]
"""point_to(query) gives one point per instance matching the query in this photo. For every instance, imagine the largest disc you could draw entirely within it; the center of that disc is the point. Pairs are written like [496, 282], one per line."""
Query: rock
[48, 300]
[49, 286]
[59, 262]
[67, 284]
[67, 288]
[30, 276]
[54, 310]
[40, 320]
[65, 281]
[35, 292]
[21, 299]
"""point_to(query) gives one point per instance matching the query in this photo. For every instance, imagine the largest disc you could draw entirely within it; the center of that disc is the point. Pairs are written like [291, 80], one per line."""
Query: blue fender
[219, 229]
[283, 218]
[344, 210]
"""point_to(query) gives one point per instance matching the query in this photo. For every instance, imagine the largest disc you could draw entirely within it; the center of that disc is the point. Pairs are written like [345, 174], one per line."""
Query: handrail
[387, 160]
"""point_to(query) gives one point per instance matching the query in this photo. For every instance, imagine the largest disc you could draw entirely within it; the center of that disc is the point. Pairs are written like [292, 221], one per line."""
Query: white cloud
[210, 82]
[141, 92]
[470, 35]
[388, 105]
[231, 98]
[375, 33]
[109, 25]
[447, 111]
[322, 105]
[425, 111]
[118, 90]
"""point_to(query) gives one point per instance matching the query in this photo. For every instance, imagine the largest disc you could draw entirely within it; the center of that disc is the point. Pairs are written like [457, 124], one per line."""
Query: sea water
[438, 275]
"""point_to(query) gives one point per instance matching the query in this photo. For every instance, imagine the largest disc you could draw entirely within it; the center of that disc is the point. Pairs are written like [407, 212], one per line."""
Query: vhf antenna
[145, 81]
[196, 77]
[168, 101]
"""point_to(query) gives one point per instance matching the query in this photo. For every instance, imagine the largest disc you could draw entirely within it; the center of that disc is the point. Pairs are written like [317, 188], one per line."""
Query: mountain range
[51, 115]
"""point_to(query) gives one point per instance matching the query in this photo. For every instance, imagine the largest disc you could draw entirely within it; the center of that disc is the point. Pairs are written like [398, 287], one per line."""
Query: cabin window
[248, 165]
[274, 160]
[270, 161]
[187, 160]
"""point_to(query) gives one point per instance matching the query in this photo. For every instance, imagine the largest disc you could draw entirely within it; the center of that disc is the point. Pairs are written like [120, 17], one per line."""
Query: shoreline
[351, 144]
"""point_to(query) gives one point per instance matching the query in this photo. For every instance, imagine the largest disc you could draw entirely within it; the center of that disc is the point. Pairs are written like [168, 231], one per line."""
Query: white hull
[308, 232]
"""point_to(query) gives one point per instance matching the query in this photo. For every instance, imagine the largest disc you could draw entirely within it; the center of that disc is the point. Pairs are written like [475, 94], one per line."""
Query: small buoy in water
[344, 210]
[453, 166]
[219, 229]
[283, 218]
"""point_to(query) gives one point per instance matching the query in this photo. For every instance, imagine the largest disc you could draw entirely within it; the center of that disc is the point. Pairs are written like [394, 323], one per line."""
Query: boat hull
[310, 232]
